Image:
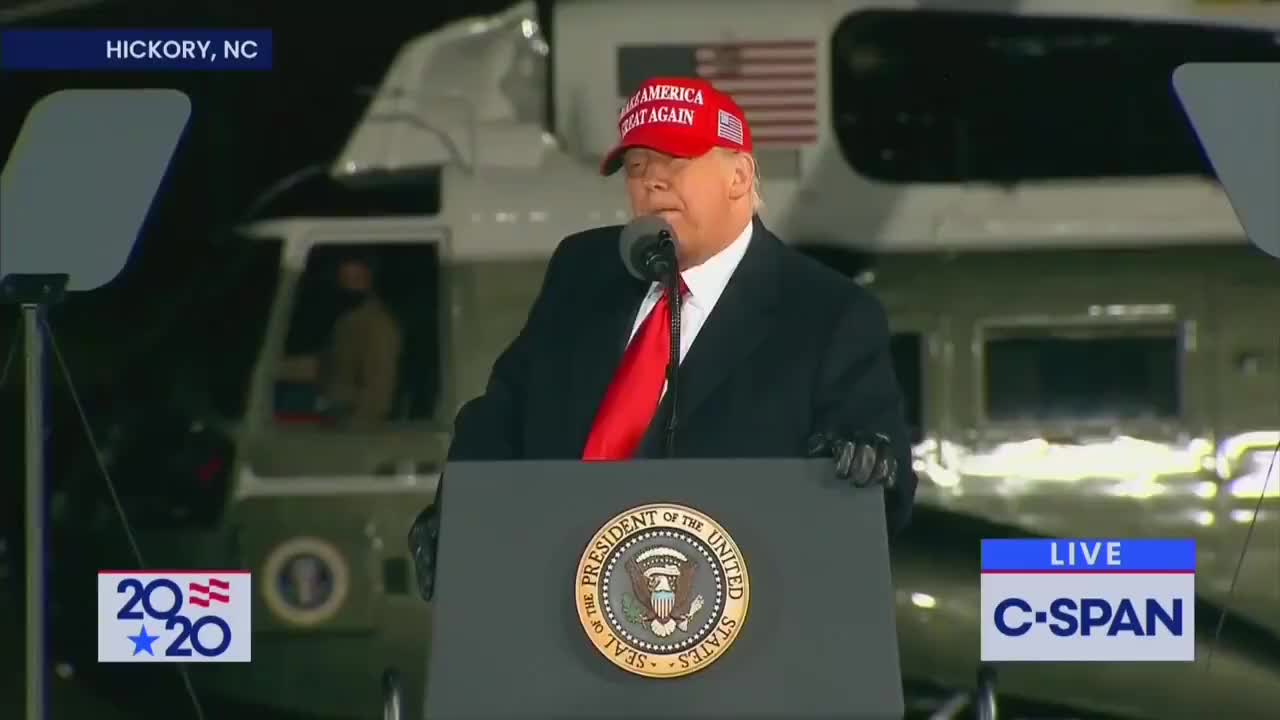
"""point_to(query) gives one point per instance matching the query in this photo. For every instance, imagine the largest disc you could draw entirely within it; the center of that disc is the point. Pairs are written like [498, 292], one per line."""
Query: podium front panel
[814, 637]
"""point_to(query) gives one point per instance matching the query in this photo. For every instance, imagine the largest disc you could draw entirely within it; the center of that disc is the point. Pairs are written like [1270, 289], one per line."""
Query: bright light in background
[1124, 458]
[923, 600]
[1137, 489]
[1136, 464]
[1136, 467]
[1131, 310]
[1242, 516]
[1256, 480]
[1247, 449]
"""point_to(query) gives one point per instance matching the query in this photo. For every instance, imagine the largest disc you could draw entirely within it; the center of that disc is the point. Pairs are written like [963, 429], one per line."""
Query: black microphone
[648, 248]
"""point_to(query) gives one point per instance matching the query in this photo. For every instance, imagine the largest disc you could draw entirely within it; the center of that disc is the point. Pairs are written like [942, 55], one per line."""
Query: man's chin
[676, 220]
[667, 215]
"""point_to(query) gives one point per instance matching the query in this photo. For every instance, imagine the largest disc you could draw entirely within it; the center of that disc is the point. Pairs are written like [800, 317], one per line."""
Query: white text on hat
[671, 93]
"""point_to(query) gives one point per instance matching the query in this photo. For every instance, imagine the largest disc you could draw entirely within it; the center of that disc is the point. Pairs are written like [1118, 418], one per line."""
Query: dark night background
[247, 130]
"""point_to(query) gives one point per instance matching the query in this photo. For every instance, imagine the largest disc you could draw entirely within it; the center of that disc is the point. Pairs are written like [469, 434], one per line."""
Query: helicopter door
[1088, 418]
[918, 345]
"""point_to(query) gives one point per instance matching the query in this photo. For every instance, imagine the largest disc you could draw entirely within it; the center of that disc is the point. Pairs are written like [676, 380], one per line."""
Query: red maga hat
[681, 117]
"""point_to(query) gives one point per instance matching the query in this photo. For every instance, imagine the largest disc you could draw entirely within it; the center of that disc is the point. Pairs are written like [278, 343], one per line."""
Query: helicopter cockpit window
[362, 349]
[946, 96]
[1082, 373]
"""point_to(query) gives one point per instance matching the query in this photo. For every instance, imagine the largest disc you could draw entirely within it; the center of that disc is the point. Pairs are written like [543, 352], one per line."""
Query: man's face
[354, 276]
[692, 194]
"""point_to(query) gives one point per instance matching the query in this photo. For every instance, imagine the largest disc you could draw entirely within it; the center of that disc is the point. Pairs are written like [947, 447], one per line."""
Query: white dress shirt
[706, 282]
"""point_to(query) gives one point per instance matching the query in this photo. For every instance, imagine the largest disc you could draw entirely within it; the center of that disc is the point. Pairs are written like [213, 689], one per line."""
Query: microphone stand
[660, 262]
[675, 299]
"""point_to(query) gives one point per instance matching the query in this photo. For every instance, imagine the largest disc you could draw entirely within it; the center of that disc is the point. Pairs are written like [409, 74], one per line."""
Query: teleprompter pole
[33, 337]
[34, 293]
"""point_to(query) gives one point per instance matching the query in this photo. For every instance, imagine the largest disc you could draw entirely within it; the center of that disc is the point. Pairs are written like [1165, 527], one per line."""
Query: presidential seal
[662, 591]
[306, 581]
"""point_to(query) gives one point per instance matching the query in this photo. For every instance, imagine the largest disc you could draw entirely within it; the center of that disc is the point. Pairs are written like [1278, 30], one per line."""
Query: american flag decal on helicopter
[775, 82]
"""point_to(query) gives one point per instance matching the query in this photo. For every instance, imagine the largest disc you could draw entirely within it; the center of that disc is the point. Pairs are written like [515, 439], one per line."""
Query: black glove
[424, 536]
[863, 459]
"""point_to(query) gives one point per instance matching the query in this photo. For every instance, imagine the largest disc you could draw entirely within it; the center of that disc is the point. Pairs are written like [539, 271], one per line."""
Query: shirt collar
[707, 281]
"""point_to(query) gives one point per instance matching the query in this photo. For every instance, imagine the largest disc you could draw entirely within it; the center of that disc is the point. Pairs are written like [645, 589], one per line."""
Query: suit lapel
[597, 350]
[740, 321]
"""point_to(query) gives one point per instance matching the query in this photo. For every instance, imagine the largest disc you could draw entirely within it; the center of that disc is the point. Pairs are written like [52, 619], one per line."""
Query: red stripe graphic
[204, 590]
[775, 82]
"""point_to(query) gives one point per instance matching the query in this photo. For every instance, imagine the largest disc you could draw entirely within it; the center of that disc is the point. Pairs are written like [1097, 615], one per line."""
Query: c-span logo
[1084, 600]
[198, 616]
[662, 591]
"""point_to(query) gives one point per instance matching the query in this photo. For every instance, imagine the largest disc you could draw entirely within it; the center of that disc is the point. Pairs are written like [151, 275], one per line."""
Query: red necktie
[632, 398]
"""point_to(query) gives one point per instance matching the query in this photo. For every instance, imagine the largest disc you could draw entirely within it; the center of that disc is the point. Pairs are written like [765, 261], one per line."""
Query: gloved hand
[424, 536]
[864, 459]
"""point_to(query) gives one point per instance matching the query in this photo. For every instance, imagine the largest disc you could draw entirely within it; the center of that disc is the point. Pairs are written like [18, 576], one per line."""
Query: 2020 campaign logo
[1088, 600]
[662, 591]
[174, 616]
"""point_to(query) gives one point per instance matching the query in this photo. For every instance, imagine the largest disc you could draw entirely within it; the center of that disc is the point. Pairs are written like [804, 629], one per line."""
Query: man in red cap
[686, 151]
[780, 356]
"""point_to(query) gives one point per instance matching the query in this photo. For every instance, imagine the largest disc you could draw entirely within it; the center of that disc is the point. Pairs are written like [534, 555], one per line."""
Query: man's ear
[744, 175]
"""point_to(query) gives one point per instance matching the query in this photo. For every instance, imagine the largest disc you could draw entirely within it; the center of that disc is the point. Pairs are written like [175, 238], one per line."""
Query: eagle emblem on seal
[662, 590]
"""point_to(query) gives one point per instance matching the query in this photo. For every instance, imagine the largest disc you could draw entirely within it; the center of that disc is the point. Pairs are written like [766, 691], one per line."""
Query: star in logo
[142, 642]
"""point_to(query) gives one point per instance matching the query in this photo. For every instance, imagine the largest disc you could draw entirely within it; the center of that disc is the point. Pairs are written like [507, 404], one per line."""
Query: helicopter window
[906, 350]
[954, 96]
[1082, 373]
[362, 348]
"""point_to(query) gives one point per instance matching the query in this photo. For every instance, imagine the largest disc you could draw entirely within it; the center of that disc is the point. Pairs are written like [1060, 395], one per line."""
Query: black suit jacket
[791, 348]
